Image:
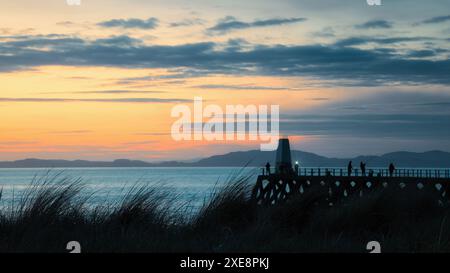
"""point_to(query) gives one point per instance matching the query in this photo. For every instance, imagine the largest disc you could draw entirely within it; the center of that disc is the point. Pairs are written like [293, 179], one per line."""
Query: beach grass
[52, 212]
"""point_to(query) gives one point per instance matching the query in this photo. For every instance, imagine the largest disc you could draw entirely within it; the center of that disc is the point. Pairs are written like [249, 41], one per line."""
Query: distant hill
[46, 163]
[436, 159]
[431, 159]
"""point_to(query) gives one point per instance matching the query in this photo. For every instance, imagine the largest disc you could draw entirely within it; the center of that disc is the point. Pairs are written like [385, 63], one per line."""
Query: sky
[98, 81]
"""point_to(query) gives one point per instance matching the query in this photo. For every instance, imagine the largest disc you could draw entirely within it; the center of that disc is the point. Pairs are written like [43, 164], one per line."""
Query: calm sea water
[109, 185]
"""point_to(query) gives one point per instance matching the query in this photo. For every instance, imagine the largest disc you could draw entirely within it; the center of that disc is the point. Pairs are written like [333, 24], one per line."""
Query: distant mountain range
[431, 159]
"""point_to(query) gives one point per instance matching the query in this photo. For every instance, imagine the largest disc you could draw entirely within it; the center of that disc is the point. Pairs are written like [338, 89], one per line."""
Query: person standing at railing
[391, 169]
[349, 168]
[268, 168]
[362, 165]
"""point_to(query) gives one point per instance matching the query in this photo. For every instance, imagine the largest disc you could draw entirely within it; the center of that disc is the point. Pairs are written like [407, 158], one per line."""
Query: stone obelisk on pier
[283, 159]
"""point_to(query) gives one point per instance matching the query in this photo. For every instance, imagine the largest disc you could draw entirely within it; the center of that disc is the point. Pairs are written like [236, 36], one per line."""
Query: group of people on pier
[283, 169]
[362, 166]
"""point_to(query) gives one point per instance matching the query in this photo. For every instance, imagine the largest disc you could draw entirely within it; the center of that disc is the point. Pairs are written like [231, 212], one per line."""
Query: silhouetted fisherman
[349, 168]
[268, 168]
[362, 165]
[391, 169]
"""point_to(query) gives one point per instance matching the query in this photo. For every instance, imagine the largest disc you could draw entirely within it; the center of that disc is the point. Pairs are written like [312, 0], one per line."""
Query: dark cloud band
[339, 61]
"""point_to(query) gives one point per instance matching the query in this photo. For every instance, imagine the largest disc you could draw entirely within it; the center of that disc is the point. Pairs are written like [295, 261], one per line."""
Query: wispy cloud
[149, 23]
[435, 20]
[119, 100]
[188, 22]
[107, 92]
[326, 32]
[402, 115]
[230, 23]
[422, 53]
[118, 92]
[17, 143]
[360, 40]
[147, 142]
[65, 23]
[153, 134]
[71, 132]
[403, 126]
[375, 24]
[121, 40]
[241, 87]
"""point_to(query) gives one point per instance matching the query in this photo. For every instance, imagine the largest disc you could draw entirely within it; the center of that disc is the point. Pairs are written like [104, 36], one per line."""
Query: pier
[275, 185]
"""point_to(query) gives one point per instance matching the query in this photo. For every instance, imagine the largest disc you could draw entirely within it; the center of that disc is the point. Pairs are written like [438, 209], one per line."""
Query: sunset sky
[98, 81]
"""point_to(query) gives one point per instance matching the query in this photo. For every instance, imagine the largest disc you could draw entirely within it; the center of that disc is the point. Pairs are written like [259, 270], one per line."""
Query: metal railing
[370, 172]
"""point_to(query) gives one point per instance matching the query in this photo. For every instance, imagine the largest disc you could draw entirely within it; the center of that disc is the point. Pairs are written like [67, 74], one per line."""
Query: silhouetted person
[362, 165]
[391, 169]
[268, 168]
[349, 168]
[296, 167]
[370, 173]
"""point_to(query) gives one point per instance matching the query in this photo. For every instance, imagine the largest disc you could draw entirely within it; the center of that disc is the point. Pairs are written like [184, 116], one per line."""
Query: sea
[189, 187]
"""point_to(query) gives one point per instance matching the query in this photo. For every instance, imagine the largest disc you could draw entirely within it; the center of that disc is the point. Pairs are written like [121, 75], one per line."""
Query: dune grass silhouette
[53, 212]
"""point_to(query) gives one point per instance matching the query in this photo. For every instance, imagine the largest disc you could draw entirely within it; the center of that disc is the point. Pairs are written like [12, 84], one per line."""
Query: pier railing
[371, 172]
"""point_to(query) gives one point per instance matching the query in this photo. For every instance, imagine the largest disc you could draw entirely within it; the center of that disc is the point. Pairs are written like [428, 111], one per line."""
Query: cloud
[71, 132]
[404, 126]
[153, 134]
[38, 41]
[230, 23]
[121, 40]
[404, 120]
[150, 23]
[240, 87]
[117, 92]
[65, 23]
[338, 61]
[320, 99]
[188, 22]
[326, 32]
[423, 53]
[375, 24]
[132, 143]
[17, 143]
[361, 40]
[399, 114]
[436, 20]
[119, 100]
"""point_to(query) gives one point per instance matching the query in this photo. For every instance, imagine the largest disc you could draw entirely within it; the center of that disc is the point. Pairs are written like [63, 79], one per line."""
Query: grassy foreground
[50, 214]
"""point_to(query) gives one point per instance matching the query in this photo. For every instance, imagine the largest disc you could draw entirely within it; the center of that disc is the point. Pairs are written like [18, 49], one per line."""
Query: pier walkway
[277, 187]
